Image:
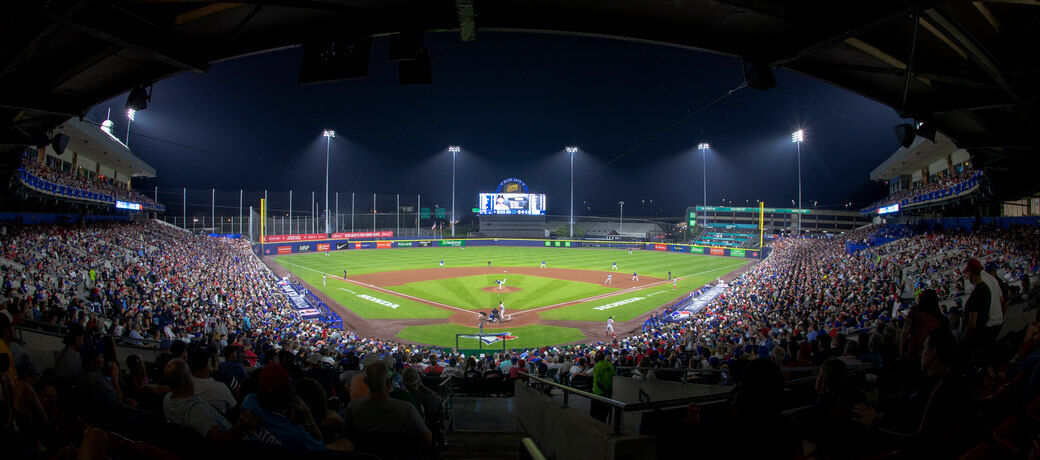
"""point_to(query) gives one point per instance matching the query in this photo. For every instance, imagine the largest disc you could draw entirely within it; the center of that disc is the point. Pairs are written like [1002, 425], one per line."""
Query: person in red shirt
[435, 367]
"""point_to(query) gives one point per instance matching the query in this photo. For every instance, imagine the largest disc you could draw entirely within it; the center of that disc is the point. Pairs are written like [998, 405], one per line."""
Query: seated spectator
[937, 418]
[207, 389]
[453, 369]
[183, 408]
[105, 388]
[68, 364]
[285, 420]
[378, 413]
[429, 399]
[314, 396]
[434, 368]
[924, 317]
[828, 425]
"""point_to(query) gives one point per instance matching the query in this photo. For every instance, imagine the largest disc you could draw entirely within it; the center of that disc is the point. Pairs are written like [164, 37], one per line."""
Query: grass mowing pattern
[535, 335]
[465, 292]
[346, 294]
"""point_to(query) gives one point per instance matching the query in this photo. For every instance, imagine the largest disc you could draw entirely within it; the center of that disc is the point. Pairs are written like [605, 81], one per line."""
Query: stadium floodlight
[703, 147]
[798, 137]
[454, 149]
[621, 217]
[572, 150]
[130, 114]
[328, 134]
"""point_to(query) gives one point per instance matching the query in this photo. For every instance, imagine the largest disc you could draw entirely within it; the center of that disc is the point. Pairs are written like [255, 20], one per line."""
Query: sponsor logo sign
[425, 243]
[455, 243]
[383, 244]
[548, 243]
[489, 339]
[364, 245]
[696, 250]
[618, 303]
[280, 238]
[354, 235]
[718, 252]
[404, 244]
[385, 303]
[285, 249]
[342, 245]
[736, 252]
[678, 248]
[324, 247]
[755, 254]
[304, 247]
[660, 247]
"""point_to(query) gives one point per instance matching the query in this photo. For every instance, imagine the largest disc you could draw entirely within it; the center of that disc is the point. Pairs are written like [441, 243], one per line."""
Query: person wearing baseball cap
[983, 319]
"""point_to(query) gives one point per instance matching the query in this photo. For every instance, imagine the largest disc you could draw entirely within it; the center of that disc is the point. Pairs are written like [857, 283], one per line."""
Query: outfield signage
[324, 247]
[342, 245]
[285, 249]
[696, 250]
[404, 244]
[385, 303]
[305, 237]
[888, 209]
[736, 252]
[565, 244]
[754, 210]
[618, 303]
[354, 235]
[455, 243]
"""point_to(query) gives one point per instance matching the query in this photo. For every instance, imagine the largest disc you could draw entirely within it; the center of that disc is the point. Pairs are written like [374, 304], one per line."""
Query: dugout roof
[975, 70]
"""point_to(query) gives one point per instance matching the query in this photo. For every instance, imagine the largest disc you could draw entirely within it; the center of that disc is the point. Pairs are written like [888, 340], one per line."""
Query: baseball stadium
[520, 230]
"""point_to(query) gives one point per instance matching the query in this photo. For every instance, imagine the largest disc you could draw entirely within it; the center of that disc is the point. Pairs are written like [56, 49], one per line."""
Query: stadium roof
[974, 66]
[87, 139]
[921, 153]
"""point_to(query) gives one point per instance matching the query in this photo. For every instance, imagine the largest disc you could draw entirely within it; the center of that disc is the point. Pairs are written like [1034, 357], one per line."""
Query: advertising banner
[404, 244]
[355, 235]
[455, 243]
[425, 244]
[342, 245]
[303, 248]
[364, 245]
[383, 245]
[324, 247]
[718, 252]
[677, 248]
[736, 252]
[660, 247]
[308, 237]
[696, 250]
[285, 249]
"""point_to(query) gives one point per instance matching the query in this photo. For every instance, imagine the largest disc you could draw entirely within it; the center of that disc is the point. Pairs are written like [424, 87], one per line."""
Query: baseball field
[405, 294]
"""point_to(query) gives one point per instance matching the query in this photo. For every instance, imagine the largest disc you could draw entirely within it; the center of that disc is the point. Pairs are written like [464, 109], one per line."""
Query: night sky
[512, 102]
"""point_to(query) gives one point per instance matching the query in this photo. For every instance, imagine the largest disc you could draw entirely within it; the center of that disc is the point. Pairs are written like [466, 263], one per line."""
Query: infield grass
[535, 335]
[535, 291]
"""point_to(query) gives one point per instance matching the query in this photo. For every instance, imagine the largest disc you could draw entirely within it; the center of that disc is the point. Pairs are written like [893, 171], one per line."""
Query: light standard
[454, 149]
[572, 150]
[621, 217]
[798, 137]
[329, 134]
[129, 121]
[703, 147]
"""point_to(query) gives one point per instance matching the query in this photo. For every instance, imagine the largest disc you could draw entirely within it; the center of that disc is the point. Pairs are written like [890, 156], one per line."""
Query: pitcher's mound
[504, 290]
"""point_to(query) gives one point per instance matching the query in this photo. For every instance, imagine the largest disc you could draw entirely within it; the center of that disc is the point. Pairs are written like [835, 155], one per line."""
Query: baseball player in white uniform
[610, 279]
[501, 312]
[500, 282]
[543, 264]
[610, 327]
[614, 267]
[323, 280]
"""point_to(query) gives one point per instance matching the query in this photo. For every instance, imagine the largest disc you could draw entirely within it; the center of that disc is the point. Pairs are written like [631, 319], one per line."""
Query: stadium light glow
[703, 146]
[454, 149]
[572, 149]
[130, 114]
[798, 136]
[328, 133]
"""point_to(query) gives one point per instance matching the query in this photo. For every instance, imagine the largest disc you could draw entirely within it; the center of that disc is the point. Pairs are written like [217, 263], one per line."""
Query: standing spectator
[981, 326]
[924, 317]
[602, 385]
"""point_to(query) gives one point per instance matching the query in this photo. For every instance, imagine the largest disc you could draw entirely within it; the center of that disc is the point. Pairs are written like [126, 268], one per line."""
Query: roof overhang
[87, 139]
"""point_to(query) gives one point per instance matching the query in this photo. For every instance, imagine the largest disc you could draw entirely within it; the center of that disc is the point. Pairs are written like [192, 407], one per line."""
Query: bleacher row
[728, 235]
[967, 185]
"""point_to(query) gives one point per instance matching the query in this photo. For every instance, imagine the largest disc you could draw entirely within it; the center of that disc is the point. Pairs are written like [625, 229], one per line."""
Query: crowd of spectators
[102, 185]
[934, 185]
[238, 365]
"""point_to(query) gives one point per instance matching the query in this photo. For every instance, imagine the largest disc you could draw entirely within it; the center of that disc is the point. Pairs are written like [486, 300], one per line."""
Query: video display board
[527, 204]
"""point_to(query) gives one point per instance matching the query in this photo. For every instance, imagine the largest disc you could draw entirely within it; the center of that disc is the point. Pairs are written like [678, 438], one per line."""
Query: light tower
[703, 147]
[798, 137]
[572, 150]
[454, 149]
[329, 134]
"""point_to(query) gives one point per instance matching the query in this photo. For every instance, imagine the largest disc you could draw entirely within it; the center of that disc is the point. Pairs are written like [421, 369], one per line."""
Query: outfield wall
[299, 247]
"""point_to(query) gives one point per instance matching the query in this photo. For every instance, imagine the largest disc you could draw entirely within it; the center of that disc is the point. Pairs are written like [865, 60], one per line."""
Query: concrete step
[483, 445]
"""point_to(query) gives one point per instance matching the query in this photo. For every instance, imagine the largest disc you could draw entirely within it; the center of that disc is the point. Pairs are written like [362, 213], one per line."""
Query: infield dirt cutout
[619, 280]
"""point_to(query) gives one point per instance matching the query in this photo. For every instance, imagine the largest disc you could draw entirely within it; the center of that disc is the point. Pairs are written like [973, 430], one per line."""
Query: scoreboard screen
[528, 204]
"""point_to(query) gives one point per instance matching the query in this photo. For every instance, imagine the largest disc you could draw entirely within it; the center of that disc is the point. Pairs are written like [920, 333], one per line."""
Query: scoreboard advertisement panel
[528, 204]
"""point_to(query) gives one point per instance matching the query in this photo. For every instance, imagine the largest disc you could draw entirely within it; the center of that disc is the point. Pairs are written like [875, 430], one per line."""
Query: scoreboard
[526, 204]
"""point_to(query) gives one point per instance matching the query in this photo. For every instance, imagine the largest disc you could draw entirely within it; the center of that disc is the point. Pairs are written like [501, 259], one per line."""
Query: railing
[59, 330]
[529, 451]
[618, 408]
[30, 180]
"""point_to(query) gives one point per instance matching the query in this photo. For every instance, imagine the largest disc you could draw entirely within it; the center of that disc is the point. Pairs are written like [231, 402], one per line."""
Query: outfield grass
[535, 335]
[535, 291]
[360, 261]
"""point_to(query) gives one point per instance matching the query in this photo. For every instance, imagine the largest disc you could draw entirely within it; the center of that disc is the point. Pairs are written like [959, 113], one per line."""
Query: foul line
[626, 291]
[520, 312]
